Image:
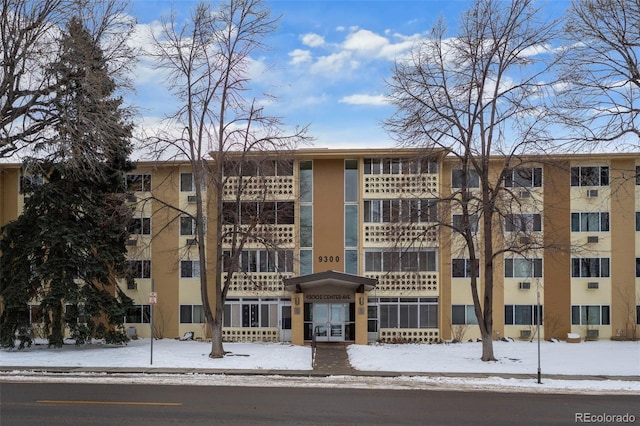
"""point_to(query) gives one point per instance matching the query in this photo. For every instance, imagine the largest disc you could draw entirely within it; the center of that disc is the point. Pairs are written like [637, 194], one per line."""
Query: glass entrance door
[328, 321]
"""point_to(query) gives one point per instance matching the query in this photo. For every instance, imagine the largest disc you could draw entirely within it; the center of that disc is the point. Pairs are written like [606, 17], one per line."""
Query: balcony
[257, 283]
[397, 186]
[260, 188]
[279, 235]
[405, 283]
[400, 234]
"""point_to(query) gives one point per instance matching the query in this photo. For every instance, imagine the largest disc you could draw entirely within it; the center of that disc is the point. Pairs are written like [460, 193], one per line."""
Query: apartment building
[357, 250]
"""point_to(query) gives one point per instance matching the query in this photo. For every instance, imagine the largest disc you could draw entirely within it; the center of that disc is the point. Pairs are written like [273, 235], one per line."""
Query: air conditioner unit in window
[592, 193]
[524, 334]
[592, 239]
[526, 285]
[525, 240]
[132, 198]
[191, 241]
[191, 198]
[592, 285]
[132, 285]
[593, 334]
[132, 242]
[26, 199]
[525, 194]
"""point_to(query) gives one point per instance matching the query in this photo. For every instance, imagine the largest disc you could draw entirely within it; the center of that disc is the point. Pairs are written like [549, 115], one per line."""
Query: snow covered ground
[602, 358]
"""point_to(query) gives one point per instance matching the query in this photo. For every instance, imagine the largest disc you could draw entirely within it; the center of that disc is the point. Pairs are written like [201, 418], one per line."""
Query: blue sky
[327, 61]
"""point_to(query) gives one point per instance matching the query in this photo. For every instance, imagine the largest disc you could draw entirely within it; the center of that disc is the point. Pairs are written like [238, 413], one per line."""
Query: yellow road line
[48, 401]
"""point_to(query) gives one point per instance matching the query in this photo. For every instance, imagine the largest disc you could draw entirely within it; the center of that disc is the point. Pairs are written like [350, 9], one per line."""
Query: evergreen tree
[67, 250]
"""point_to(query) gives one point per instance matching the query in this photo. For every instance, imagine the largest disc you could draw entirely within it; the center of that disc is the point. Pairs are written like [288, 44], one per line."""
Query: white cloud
[369, 44]
[299, 56]
[334, 63]
[363, 99]
[312, 40]
[365, 41]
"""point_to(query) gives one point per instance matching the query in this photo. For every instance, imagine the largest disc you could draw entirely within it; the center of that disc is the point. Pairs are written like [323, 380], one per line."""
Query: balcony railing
[406, 283]
[397, 186]
[260, 188]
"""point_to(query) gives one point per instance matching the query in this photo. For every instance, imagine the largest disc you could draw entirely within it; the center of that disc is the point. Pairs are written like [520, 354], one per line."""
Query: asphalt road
[131, 404]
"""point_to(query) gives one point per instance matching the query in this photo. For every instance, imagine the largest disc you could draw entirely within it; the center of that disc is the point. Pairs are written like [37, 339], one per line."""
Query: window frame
[468, 311]
[533, 265]
[144, 180]
[584, 176]
[144, 226]
[580, 220]
[473, 179]
[535, 178]
[456, 268]
[603, 312]
[582, 264]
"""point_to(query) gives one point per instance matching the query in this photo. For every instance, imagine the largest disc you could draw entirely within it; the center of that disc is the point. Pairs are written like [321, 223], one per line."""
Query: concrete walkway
[332, 359]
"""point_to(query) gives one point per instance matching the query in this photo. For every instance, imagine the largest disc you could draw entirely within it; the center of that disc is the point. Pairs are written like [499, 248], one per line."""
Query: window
[590, 315]
[459, 224]
[264, 261]
[186, 182]
[138, 314]
[637, 267]
[191, 314]
[29, 182]
[264, 213]
[140, 268]
[637, 175]
[590, 176]
[392, 261]
[351, 180]
[463, 314]
[306, 262]
[189, 269]
[394, 312]
[250, 312]
[187, 225]
[591, 267]
[139, 182]
[351, 261]
[524, 177]
[638, 314]
[522, 268]
[377, 166]
[461, 268]
[351, 225]
[394, 211]
[590, 222]
[528, 222]
[522, 314]
[306, 226]
[458, 179]
[637, 221]
[140, 226]
[306, 181]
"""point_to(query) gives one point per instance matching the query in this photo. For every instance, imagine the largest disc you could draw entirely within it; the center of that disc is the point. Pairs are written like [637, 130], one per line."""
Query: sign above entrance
[310, 298]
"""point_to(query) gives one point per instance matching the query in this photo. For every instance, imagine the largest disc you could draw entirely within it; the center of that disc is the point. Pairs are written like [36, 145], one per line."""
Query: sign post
[153, 300]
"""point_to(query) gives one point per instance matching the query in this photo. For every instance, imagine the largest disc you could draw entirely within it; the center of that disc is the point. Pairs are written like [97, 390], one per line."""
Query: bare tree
[601, 70]
[207, 63]
[26, 28]
[30, 32]
[476, 96]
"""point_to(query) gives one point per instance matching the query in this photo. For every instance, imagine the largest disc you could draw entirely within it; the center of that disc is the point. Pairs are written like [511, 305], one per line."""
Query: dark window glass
[186, 182]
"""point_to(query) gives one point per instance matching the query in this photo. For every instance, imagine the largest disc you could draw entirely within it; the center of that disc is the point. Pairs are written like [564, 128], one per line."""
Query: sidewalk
[330, 360]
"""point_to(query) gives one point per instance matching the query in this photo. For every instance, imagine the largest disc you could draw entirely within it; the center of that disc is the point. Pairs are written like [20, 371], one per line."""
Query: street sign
[153, 298]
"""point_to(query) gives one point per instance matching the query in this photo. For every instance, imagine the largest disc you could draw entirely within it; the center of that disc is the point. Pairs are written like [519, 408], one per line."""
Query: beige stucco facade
[419, 301]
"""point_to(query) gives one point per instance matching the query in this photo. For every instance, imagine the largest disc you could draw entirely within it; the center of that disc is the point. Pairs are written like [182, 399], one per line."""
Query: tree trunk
[487, 347]
[217, 351]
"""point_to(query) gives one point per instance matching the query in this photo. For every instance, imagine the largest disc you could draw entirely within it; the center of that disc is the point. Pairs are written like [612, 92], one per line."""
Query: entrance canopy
[332, 279]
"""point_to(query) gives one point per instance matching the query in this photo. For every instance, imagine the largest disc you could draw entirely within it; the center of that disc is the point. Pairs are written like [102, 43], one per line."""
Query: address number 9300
[328, 259]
